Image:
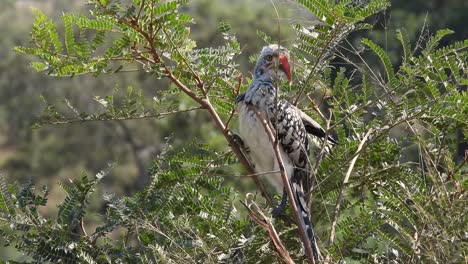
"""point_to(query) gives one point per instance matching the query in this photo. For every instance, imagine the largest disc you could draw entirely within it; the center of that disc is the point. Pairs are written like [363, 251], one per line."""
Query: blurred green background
[55, 153]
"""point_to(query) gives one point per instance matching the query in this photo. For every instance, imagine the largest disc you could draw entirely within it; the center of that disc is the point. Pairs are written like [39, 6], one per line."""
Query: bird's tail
[302, 207]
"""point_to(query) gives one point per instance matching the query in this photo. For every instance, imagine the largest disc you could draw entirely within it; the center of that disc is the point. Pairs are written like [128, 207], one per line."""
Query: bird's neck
[262, 90]
[264, 75]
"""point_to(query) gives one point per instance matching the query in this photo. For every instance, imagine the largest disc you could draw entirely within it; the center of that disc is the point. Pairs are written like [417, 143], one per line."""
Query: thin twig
[158, 115]
[261, 173]
[200, 83]
[236, 90]
[142, 6]
[381, 132]
[343, 185]
[321, 153]
[83, 228]
[319, 58]
[323, 147]
[292, 200]
[316, 108]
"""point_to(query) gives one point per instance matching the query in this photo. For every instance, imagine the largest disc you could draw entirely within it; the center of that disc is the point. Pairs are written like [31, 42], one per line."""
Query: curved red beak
[284, 66]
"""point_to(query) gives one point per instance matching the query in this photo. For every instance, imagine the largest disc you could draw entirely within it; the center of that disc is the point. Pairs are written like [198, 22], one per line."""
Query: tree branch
[292, 201]
[204, 103]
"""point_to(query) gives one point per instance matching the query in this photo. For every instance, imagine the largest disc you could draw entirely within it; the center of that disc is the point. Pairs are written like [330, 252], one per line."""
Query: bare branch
[316, 108]
[381, 132]
[323, 147]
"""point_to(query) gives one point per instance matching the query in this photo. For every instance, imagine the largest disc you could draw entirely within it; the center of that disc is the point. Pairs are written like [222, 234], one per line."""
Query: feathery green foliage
[190, 218]
[320, 40]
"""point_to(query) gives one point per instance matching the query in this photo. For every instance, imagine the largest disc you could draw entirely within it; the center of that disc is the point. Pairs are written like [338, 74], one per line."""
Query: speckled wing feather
[312, 127]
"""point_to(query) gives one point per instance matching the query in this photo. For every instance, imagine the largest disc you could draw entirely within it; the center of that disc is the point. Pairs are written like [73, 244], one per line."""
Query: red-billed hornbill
[289, 123]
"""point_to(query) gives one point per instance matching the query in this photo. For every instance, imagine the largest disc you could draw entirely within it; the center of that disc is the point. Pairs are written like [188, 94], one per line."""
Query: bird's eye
[269, 57]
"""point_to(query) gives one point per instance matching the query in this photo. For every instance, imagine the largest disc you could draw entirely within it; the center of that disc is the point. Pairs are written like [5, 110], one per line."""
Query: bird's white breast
[255, 138]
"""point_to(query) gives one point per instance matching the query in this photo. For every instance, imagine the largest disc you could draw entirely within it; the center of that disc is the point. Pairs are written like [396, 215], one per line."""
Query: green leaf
[384, 58]
[119, 47]
[6, 205]
[167, 7]
[223, 27]
[103, 24]
[45, 33]
[39, 66]
[434, 41]
[69, 37]
[321, 9]
[402, 36]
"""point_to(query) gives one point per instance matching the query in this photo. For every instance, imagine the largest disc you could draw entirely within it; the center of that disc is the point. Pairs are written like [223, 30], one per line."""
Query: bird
[289, 124]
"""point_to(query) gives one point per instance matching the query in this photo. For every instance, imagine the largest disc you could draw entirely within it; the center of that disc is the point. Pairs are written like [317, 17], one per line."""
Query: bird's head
[273, 64]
